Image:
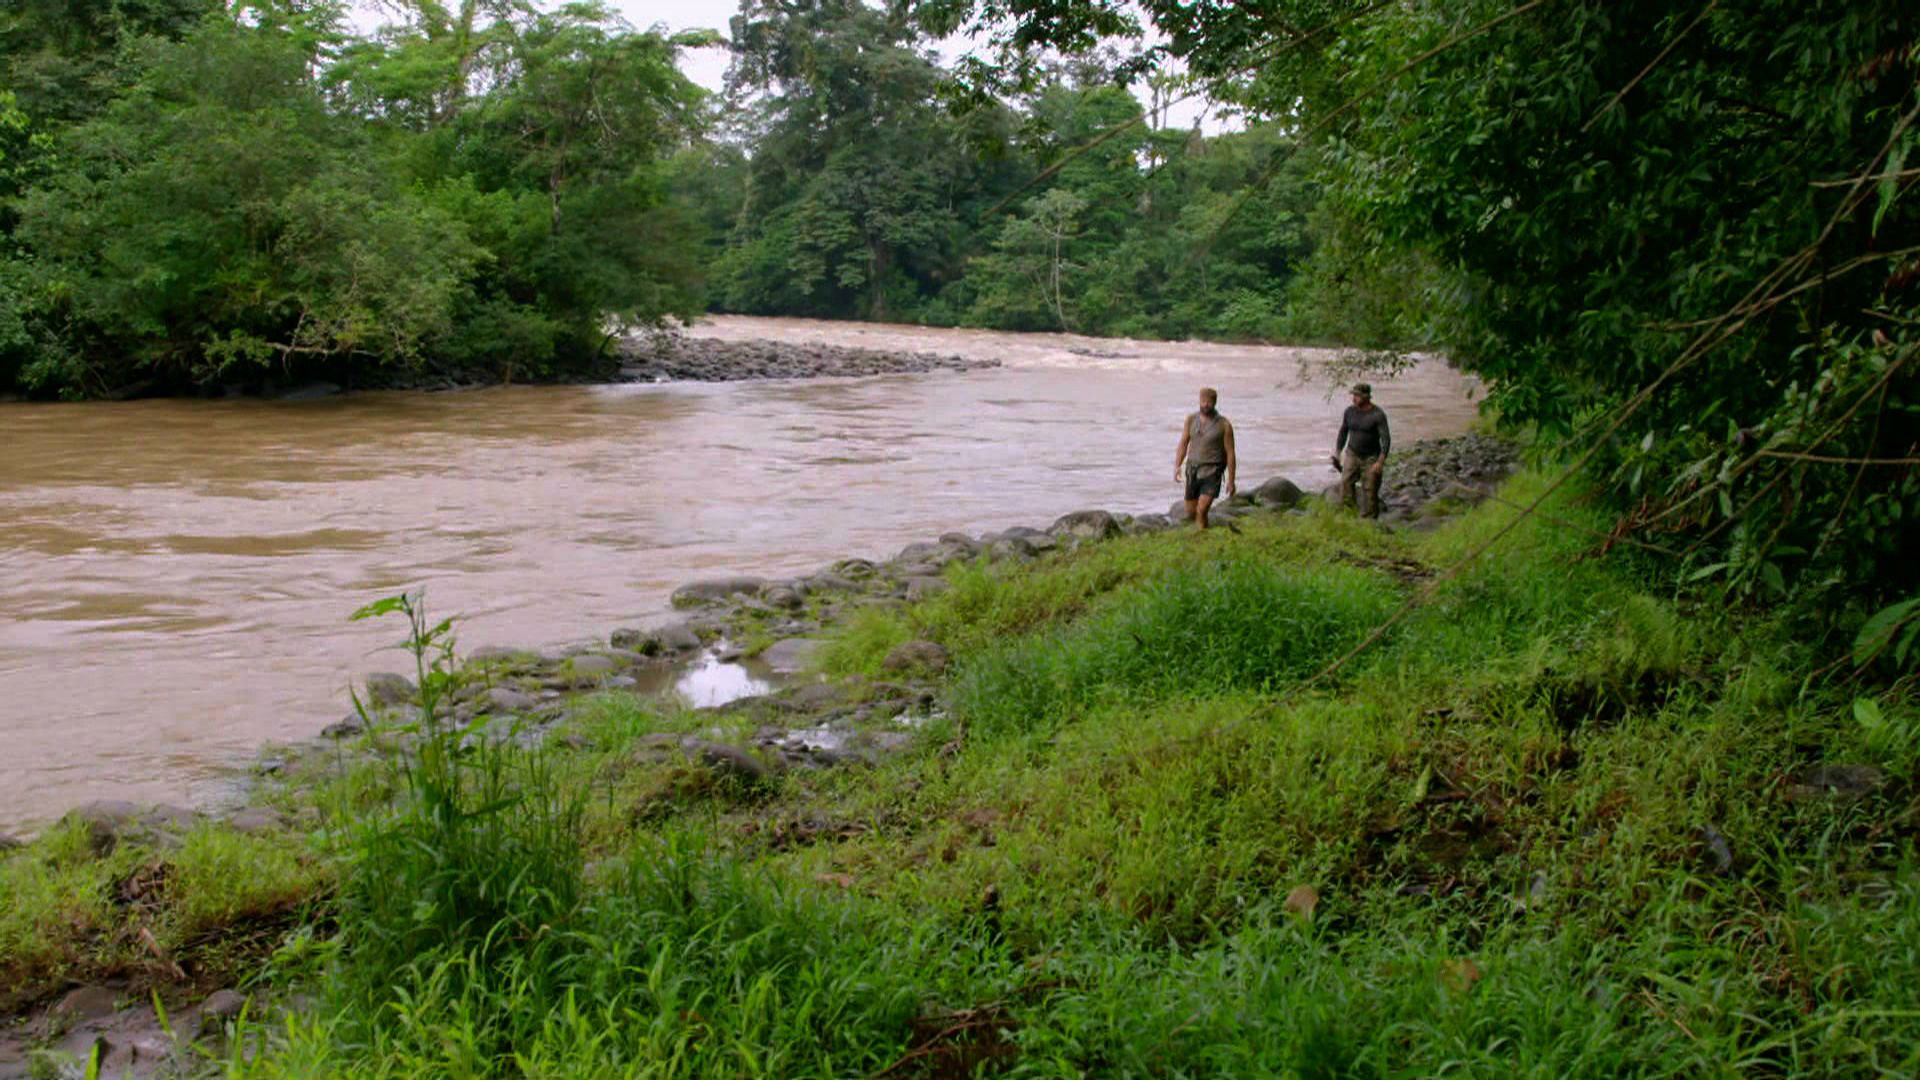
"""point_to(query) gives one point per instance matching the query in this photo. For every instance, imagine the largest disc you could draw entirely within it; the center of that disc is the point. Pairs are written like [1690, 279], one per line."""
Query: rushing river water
[175, 576]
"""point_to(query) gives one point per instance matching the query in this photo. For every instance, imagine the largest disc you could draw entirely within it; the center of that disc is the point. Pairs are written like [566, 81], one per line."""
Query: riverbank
[1069, 801]
[649, 356]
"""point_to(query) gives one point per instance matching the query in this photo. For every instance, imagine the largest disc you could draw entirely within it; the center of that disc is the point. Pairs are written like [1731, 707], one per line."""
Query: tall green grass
[1236, 624]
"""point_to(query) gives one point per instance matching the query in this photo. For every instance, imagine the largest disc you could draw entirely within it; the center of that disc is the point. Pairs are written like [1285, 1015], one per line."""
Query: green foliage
[478, 191]
[1236, 623]
[476, 861]
[1581, 202]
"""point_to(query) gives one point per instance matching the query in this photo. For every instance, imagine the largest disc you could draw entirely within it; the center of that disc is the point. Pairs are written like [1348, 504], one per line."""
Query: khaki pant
[1356, 470]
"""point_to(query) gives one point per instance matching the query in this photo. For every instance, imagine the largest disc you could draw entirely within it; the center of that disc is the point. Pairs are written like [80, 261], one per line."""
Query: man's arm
[1180, 455]
[1386, 439]
[1232, 461]
[1340, 441]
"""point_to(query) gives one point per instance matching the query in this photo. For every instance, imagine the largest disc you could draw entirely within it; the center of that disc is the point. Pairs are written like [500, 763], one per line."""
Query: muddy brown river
[176, 576]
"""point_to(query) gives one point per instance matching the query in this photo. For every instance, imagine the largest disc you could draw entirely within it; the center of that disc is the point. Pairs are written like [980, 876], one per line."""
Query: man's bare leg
[1200, 507]
[1193, 509]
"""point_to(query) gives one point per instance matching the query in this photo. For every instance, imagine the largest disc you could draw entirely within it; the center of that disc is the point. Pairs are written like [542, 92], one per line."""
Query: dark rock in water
[1087, 525]
[915, 654]
[345, 727]
[1023, 532]
[1278, 491]
[387, 688]
[1839, 783]
[666, 357]
[717, 590]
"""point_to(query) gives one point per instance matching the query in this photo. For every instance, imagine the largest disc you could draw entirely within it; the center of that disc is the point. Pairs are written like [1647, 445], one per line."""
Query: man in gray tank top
[1206, 448]
[1360, 450]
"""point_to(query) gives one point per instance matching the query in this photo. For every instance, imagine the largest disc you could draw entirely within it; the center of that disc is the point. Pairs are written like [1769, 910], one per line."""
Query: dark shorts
[1204, 480]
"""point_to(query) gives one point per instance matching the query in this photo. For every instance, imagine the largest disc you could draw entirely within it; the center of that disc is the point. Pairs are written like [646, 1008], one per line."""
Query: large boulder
[1086, 525]
[1280, 492]
[922, 586]
[1148, 523]
[716, 591]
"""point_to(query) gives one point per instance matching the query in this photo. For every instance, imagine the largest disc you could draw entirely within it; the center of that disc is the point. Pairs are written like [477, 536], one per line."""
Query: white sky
[708, 67]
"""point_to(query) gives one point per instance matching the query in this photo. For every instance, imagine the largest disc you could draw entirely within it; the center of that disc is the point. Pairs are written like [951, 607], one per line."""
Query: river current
[176, 576]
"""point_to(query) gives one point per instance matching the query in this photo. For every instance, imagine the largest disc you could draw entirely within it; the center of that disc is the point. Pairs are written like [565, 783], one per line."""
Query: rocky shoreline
[656, 356]
[672, 357]
[763, 632]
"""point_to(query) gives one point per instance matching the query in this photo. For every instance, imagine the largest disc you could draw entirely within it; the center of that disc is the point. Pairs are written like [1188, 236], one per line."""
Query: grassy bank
[1559, 822]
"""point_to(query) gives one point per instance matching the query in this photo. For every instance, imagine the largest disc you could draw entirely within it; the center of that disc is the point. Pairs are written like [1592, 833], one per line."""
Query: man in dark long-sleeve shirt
[1360, 451]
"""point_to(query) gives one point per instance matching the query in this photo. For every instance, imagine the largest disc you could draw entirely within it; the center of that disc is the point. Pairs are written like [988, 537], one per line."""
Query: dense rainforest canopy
[1678, 242]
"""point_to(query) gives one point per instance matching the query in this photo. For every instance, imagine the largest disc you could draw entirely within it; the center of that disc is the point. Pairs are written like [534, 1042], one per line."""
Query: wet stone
[345, 727]
[716, 590]
[1278, 491]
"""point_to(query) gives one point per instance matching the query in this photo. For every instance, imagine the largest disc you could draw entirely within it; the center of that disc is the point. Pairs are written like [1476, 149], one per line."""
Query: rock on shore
[670, 357]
